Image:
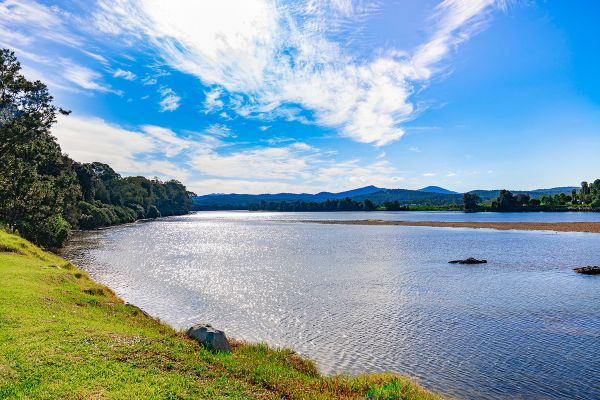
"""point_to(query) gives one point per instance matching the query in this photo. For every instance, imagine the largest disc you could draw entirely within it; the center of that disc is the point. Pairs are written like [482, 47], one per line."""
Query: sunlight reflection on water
[374, 298]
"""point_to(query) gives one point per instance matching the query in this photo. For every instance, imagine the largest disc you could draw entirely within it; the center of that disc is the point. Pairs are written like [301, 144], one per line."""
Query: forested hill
[433, 196]
[534, 194]
[43, 193]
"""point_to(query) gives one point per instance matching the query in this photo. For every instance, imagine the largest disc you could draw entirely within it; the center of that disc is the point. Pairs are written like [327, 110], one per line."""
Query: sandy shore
[593, 227]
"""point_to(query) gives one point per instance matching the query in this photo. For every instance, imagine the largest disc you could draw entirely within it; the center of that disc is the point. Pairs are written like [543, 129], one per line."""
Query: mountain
[430, 195]
[349, 193]
[436, 189]
[241, 201]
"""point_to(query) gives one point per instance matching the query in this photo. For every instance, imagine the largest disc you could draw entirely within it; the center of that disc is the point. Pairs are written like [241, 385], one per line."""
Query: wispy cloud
[170, 101]
[212, 101]
[153, 150]
[86, 78]
[277, 54]
[149, 80]
[27, 21]
[145, 151]
[127, 75]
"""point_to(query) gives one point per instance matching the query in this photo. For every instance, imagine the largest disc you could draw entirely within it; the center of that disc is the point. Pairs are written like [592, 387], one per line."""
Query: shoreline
[586, 227]
[70, 336]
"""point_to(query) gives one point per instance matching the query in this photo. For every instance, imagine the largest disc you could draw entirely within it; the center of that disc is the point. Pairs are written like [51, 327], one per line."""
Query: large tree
[38, 186]
[471, 201]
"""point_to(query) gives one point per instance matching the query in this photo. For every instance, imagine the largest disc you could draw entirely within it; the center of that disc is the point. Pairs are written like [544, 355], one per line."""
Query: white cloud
[429, 174]
[269, 163]
[294, 167]
[211, 101]
[414, 149]
[456, 21]
[276, 54]
[146, 152]
[148, 80]
[127, 75]
[170, 100]
[201, 161]
[26, 21]
[86, 78]
[219, 130]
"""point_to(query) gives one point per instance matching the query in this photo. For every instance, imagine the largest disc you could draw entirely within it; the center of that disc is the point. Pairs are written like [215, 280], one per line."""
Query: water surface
[376, 298]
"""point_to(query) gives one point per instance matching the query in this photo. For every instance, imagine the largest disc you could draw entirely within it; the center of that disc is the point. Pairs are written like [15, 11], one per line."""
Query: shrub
[153, 212]
[50, 233]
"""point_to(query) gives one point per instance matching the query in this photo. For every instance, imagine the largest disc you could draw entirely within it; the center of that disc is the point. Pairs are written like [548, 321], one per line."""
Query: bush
[138, 210]
[153, 212]
[94, 217]
[124, 214]
[50, 233]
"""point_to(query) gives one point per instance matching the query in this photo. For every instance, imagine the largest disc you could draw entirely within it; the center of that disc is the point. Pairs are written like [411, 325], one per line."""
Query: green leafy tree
[471, 201]
[153, 212]
[38, 187]
[522, 200]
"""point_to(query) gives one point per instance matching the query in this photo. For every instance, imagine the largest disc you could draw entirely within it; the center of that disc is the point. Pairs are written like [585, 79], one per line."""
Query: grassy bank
[64, 336]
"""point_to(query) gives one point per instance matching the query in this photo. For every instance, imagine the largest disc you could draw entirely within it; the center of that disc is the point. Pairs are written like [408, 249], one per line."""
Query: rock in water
[210, 337]
[589, 270]
[469, 260]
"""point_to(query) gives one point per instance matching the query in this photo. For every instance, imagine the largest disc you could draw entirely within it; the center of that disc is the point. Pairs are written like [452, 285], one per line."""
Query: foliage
[38, 187]
[44, 193]
[345, 204]
[471, 201]
[587, 198]
[65, 336]
[153, 212]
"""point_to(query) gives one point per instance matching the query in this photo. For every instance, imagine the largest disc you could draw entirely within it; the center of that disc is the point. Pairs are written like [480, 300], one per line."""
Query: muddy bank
[593, 227]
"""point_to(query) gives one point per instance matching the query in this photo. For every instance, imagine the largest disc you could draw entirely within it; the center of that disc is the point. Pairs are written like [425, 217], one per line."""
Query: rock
[469, 260]
[210, 337]
[589, 270]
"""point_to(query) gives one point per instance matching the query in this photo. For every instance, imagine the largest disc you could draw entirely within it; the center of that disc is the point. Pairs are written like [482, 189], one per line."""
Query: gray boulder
[469, 260]
[210, 337]
[589, 270]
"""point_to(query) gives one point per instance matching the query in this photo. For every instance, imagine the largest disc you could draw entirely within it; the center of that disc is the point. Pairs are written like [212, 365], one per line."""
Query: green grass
[63, 336]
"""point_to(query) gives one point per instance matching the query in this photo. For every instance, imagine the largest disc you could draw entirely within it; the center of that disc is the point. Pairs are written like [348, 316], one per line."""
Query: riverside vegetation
[44, 193]
[64, 336]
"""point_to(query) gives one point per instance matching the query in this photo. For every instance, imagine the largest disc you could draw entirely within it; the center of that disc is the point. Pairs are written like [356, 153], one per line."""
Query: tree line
[586, 198]
[345, 204]
[44, 194]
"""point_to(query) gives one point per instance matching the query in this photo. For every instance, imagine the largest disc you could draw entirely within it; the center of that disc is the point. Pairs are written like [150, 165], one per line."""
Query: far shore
[592, 227]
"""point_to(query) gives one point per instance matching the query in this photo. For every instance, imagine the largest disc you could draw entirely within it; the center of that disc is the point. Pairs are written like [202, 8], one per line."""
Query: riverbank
[62, 335]
[591, 227]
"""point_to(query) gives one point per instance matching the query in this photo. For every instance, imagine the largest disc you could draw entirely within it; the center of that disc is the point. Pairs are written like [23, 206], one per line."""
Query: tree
[37, 184]
[505, 201]
[153, 212]
[522, 199]
[574, 196]
[368, 205]
[471, 201]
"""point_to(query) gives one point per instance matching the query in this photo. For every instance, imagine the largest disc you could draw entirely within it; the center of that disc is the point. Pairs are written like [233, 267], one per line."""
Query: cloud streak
[271, 55]
[201, 159]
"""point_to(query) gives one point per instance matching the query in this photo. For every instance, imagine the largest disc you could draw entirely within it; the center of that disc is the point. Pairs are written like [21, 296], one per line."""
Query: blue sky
[260, 96]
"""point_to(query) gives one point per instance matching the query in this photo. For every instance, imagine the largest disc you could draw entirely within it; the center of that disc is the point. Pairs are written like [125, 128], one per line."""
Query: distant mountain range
[430, 195]
[436, 189]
